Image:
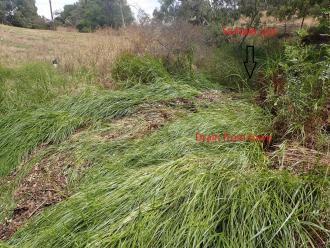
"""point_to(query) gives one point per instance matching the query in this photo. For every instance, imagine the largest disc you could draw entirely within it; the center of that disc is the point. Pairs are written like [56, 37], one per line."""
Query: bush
[226, 67]
[301, 102]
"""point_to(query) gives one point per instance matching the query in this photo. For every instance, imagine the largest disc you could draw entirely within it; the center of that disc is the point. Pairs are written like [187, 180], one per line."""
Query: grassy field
[102, 152]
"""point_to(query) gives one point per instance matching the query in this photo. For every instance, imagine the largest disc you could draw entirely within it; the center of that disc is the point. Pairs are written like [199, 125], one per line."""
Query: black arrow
[249, 61]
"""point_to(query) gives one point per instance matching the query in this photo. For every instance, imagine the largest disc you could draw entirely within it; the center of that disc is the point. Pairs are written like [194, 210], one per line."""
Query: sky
[43, 5]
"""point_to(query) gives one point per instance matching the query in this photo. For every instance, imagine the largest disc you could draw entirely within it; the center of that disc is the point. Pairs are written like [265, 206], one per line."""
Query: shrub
[226, 67]
[305, 92]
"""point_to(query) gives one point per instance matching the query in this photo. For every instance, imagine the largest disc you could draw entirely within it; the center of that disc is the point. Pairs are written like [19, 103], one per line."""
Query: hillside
[115, 148]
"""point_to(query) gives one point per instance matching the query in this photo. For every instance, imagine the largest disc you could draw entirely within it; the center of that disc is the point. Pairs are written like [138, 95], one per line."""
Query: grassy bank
[83, 165]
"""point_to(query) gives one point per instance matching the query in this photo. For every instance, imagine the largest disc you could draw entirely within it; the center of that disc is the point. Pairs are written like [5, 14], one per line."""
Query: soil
[45, 185]
[210, 96]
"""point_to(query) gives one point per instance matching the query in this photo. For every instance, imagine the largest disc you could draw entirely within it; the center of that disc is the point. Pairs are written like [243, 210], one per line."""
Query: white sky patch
[43, 6]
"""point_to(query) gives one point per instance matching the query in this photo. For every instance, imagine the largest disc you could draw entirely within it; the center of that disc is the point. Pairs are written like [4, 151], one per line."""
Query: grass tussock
[130, 69]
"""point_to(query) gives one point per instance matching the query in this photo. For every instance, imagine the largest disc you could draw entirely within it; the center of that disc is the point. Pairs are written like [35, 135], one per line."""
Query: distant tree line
[87, 15]
[225, 11]
[21, 13]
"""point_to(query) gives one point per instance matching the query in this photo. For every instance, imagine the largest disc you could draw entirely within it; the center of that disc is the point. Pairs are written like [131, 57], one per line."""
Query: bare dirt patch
[146, 119]
[45, 185]
[211, 96]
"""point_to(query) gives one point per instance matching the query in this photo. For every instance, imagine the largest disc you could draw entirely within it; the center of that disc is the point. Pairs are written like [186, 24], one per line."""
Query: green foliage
[227, 68]
[4, 245]
[196, 12]
[323, 27]
[30, 86]
[162, 188]
[181, 62]
[89, 15]
[203, 12]
[21, 13]
[198, 80]
[167, 205]
[168, 190]
[285, 10]
[132, 69]
[22, 131]
[307, 87]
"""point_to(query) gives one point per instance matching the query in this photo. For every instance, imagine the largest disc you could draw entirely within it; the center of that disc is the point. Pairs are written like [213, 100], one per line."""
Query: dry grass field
[73, 49]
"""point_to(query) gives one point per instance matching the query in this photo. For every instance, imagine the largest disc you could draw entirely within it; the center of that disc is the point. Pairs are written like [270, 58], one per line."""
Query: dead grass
[74, 50]
[272, 21]
[45, 185]
[298, 159]
[97, 51]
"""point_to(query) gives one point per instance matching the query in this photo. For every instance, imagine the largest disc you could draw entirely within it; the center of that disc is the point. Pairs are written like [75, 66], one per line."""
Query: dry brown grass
[96, 50]
[272, 21]
[298, 159]
[74, 50]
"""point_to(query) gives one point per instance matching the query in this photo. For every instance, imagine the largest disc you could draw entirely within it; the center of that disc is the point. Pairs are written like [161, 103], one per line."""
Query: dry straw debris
[298, 159]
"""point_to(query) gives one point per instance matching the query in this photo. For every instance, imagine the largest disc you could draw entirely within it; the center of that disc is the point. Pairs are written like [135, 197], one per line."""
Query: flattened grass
[189, 202]
[23, 131]
[166, 190]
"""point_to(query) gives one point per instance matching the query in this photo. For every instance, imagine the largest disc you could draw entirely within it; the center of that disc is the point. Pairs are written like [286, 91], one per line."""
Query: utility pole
[51, 13]
[122, 14]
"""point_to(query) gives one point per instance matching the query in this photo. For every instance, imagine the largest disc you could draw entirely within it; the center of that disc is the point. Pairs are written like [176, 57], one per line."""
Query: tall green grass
[23, 131]
[29, 86]
[301, 104]
[130, 70]
[226, 67]
[166, 190]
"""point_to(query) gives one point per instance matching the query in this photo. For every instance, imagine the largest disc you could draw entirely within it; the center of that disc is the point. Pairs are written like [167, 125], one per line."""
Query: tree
[206, 11]
[87, 15]
[21, 13]
[287, 9]
[197, 11]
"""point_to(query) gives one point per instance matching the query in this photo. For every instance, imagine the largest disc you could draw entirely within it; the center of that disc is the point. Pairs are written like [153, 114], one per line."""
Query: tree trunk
[249, 26]
[51, 14]
[302, 22]
[122, 14]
